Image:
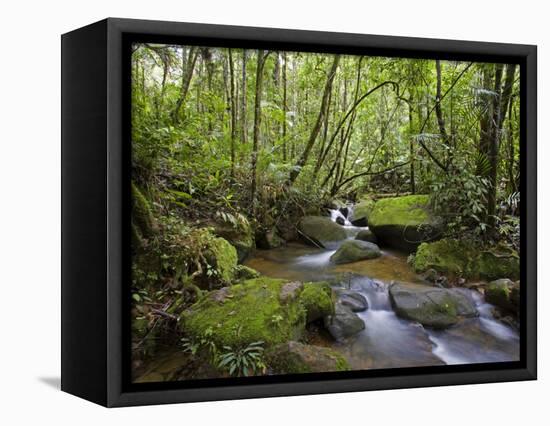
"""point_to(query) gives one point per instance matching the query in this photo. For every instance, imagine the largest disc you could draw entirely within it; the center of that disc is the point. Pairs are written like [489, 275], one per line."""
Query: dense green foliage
[234, 150]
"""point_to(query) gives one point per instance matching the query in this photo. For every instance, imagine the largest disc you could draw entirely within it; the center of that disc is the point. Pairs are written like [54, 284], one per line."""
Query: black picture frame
[96, 209]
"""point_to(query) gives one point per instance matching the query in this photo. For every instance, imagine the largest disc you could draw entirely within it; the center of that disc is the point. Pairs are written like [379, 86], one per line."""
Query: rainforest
[299, 212]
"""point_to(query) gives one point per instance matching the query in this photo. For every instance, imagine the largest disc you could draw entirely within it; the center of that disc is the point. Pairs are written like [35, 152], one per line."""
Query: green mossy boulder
[241, 237]
[431, 306]
[320, 231]
[317, 300]
[244, 313]
[243, 273]
[366, 235]
[222, 257]
[295, 358]
[504, 294]
[361, 212]
[354, 250]
[462, 258]
[404, 222]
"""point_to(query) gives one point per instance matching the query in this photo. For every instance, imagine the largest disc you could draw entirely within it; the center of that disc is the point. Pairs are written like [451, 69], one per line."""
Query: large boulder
[366, 235]
[361, 212]
[466, 259]
[240, 236]
[431, 306]
[320, 231]
[316, 298]
[504, 294]
[354, 250]
[404, 222]
[222, 257]
[262, 309]
[295, 358]
[343, 323]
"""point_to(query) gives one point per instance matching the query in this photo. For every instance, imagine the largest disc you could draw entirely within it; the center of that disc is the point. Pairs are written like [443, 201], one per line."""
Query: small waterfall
[336, 213]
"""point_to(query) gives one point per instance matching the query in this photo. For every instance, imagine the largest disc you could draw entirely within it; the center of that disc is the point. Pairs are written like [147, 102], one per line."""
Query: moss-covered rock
[354, 250]
[243, 273]
[142, 217]
[366, 235]
[430, 306]
[504, 294]
[362, 212]
[320, 231]
[295, 358]
[241, 237]
[222, 258]
[404, 222]
[244, 313]
[317, 300]
[465, 259]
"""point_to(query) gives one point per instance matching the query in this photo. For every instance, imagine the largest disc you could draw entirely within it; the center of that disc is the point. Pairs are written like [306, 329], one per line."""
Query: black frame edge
[107, 376]
[83, 213]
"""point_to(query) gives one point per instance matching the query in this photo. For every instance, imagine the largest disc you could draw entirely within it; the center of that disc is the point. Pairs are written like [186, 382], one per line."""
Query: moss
[243, 272]
[299, 358]
[320, 229]
[142, 216]
[462, 258]
[223, 257]
[245, 313]
[317, 300]
[363, 208]
[408, 211]
[445, 256]
[354, 250]
[241, 237]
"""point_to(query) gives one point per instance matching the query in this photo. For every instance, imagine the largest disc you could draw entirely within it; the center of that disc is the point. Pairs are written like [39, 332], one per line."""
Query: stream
[387, 340]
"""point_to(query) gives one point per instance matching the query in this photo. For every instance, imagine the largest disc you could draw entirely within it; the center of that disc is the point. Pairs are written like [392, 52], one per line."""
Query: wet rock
[343, 323]
[404, 222]
[366, 235]
[354, 250]
[353, 300]
[344, 211]
[294, 358]
[504, 294]
[432, 307]
[340, 220]
[320, 231]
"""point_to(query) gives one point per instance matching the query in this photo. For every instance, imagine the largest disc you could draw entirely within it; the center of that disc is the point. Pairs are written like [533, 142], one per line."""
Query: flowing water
[387, 340]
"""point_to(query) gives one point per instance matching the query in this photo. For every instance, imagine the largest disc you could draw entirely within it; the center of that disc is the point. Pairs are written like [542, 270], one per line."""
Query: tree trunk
[188, 66]
[317, 127]
[284, 107]
[244, 125]
[257, 122]
[439, 112]
[233, 106]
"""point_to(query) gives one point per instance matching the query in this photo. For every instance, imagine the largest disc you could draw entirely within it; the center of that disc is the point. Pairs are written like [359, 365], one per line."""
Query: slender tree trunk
[257, 123]
[284, 106]
[244, 125]
[317, 127]
[187, 69]
[439, 112]
[233, 106]
[411, 146]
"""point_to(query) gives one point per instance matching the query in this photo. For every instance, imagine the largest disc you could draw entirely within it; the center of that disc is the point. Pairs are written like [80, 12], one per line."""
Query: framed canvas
[254, 212]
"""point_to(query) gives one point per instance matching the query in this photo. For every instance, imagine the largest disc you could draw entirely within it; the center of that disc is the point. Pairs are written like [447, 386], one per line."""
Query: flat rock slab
[430, 306]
